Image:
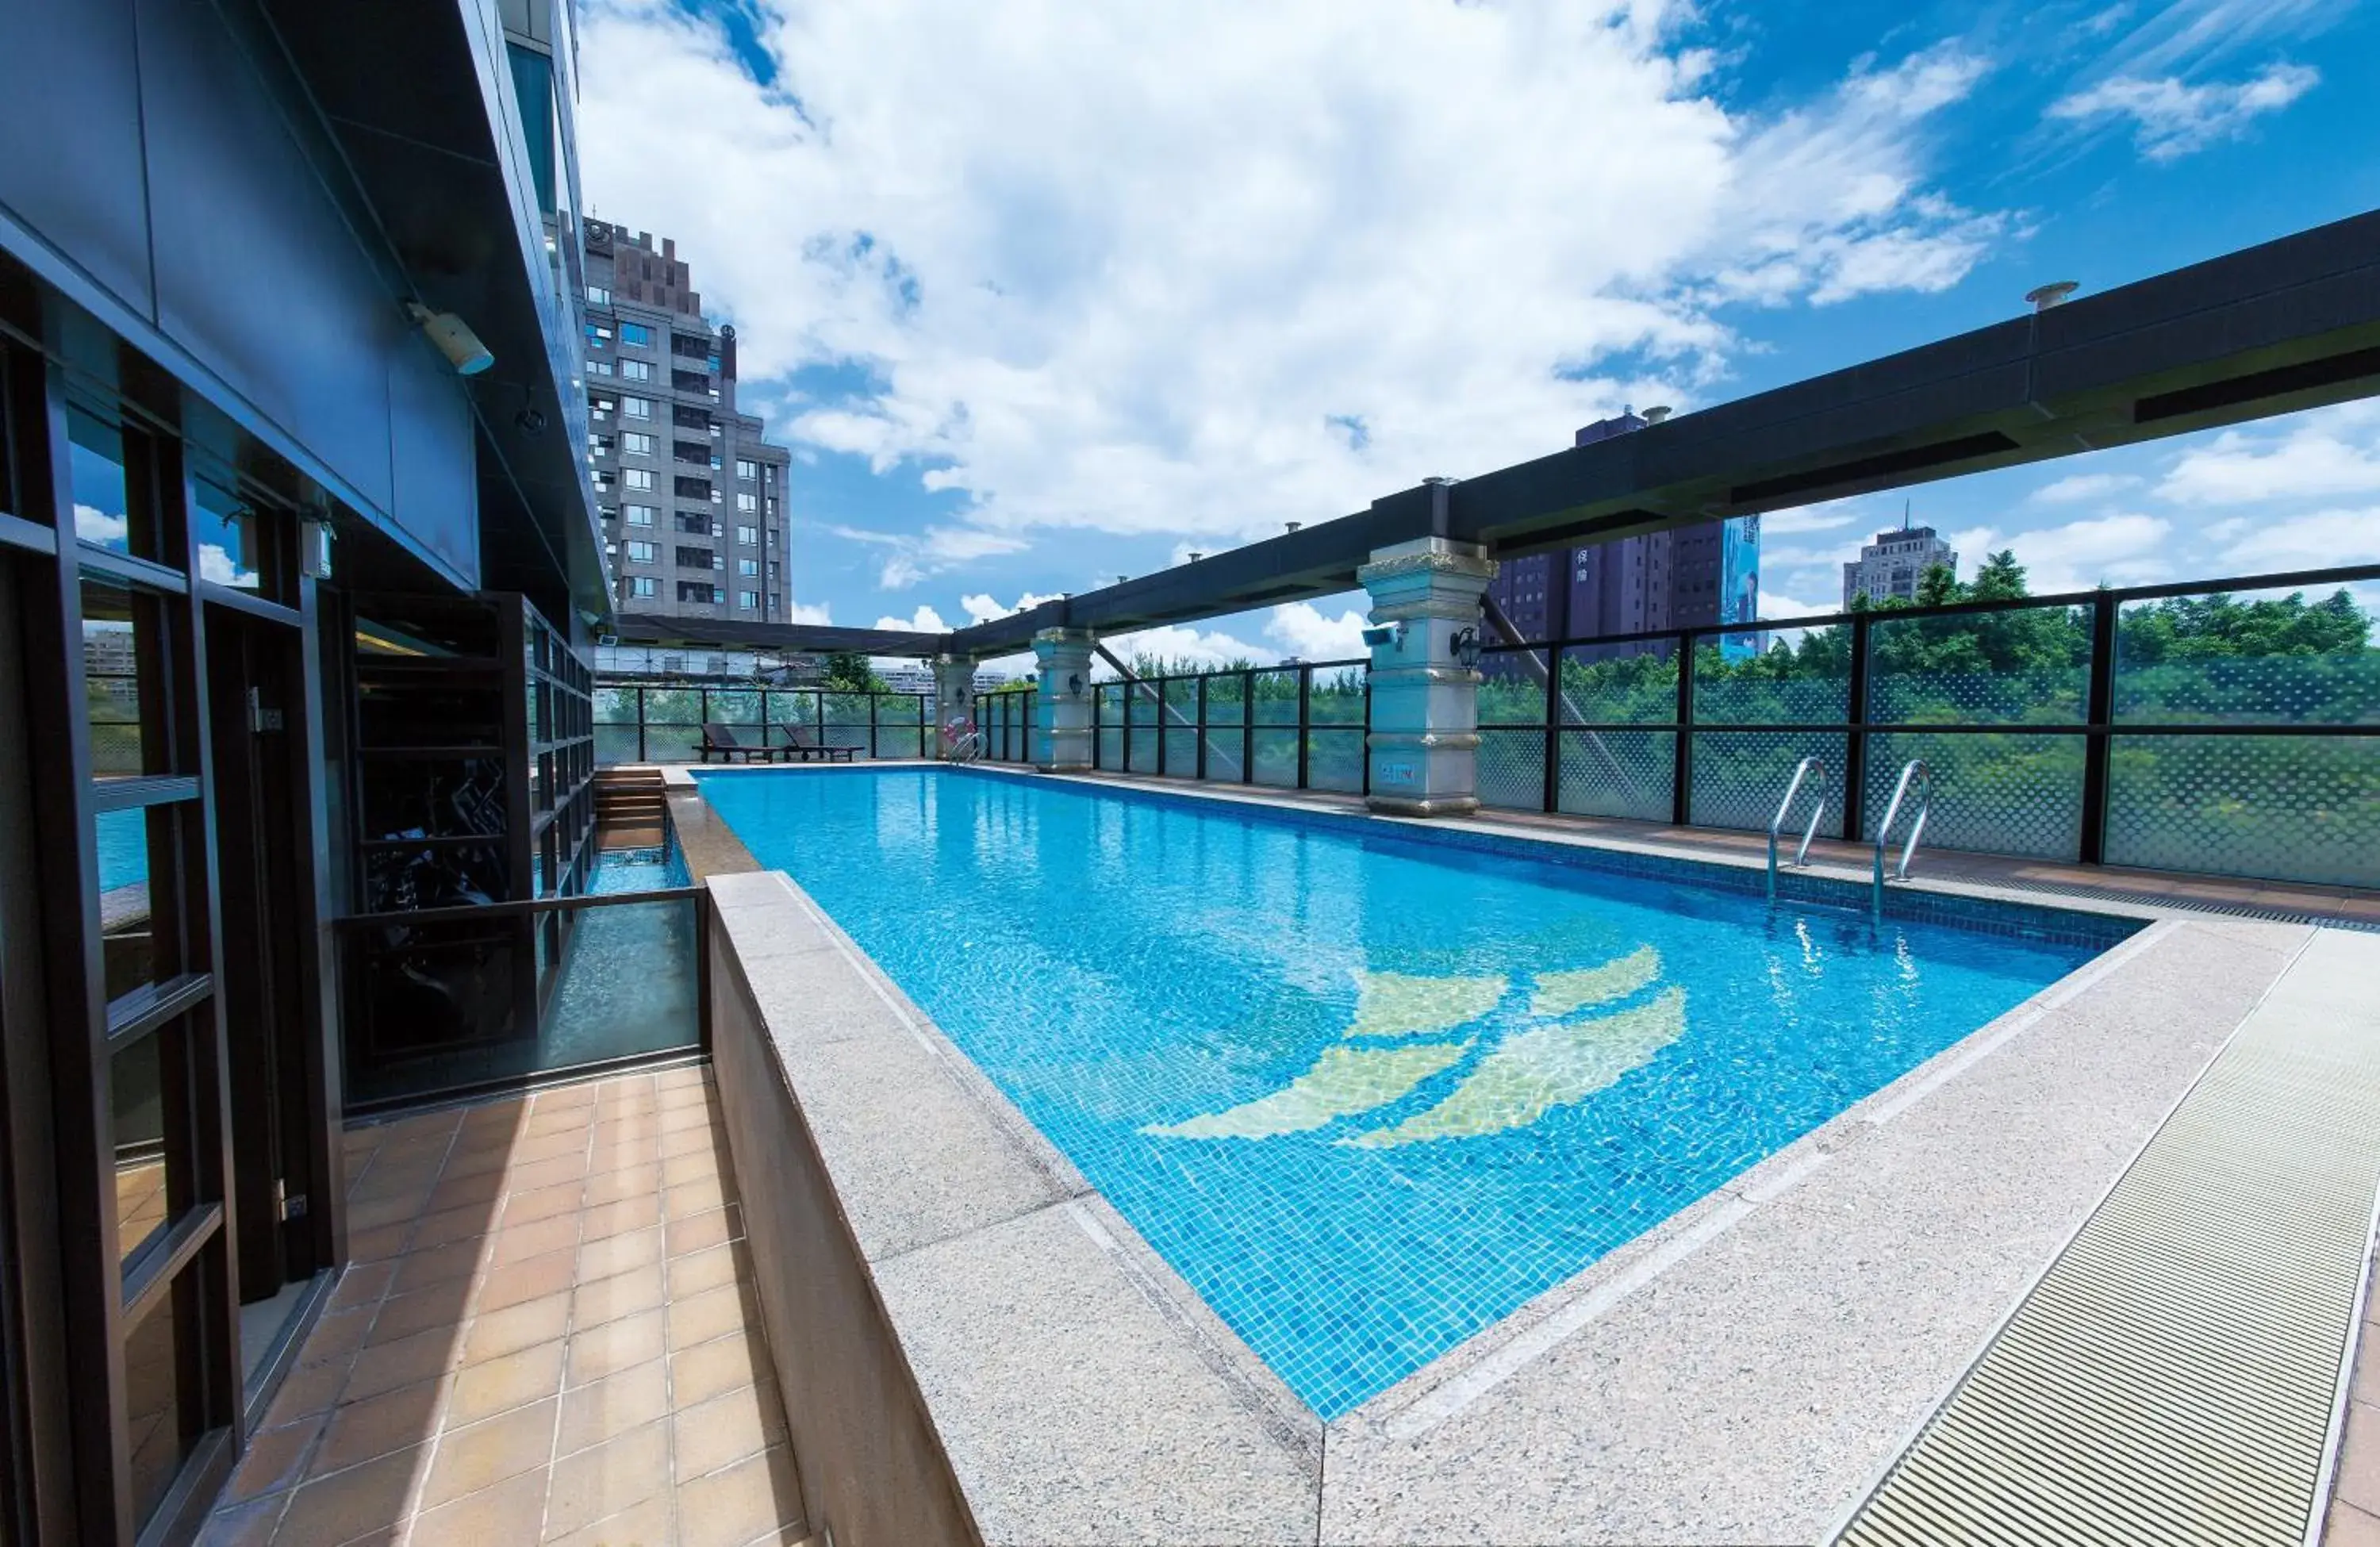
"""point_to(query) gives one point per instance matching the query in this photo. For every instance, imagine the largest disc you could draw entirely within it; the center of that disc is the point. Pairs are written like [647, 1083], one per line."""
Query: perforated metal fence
[662, 721]
[1299, 726]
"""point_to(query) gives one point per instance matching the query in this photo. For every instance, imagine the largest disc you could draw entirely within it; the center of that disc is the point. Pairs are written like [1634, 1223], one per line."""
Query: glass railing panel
[1620, 683]
[1276, 757]
[2274, 658]
[1619, 773]
[1274, 697]
[1336, 698]
[1141, 750]
[738, 706]
[1768, 676]
[449, 1003]
[1739, 776]
[1227, 701]
[1513, 769]
[1182, 751]
[617, 744]
[2024, 665]
[1334, 758]
[2282, 807]
[1226, 754]
[848, 717]
[1993, 793]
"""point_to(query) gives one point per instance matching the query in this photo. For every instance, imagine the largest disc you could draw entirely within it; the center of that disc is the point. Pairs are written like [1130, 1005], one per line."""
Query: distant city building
[1890, 568]
[918, 676]
[1690, 577]
[692, 492]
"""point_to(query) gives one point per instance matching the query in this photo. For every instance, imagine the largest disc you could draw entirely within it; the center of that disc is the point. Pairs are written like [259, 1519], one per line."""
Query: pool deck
[1744, 1372]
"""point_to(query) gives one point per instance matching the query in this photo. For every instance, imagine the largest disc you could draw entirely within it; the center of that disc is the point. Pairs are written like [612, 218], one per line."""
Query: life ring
[957, 729]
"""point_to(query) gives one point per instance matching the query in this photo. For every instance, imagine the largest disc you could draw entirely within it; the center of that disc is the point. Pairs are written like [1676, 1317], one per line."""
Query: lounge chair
[805, 745]
[724, 740]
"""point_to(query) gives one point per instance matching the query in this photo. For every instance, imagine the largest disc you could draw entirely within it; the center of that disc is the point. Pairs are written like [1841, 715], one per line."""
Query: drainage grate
[2175, 1373]
[2187, 905]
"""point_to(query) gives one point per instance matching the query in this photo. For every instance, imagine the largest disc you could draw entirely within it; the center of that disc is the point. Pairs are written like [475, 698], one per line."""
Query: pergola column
[954, 698]
[1425, 738]
[1062, 704]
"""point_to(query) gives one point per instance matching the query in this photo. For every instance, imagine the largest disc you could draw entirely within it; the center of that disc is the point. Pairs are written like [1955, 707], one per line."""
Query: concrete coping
[1741, 1372]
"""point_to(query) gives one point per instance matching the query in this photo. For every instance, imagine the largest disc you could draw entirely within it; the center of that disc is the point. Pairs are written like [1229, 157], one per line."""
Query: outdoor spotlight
[2044, 297]
[454, 337]
[1381, 634]
[1466, 645]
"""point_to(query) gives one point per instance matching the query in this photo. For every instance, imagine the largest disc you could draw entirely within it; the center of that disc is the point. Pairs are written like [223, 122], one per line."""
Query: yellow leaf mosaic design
[1539, 1069]
[1401, 1005]
[1559, 994]
[1343, 1081]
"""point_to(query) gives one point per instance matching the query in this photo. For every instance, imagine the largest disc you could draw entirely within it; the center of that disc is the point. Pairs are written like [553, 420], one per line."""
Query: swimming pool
[1368, 1089]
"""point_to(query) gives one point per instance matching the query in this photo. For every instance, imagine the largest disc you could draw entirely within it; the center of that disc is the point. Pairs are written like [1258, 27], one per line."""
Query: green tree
[847, 671]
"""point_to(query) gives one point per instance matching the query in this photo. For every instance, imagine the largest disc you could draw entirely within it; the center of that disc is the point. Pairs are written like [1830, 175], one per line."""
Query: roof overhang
[778, 639]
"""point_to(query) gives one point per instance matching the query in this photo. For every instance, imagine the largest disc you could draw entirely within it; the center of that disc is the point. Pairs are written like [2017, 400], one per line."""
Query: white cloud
[1304, 630]
[2126, 548]
[215, 563]
[1175, 642]
[2171, 118]
[1137, 269]
[1775, 604]
[982, 607]
[95, 525]
[2077, 488]
[2320, 540]
[816, 613]
[925, 620]
[2316, 455]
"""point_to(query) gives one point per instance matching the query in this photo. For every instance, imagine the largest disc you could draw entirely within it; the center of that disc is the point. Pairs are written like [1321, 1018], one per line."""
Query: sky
[1041, 294]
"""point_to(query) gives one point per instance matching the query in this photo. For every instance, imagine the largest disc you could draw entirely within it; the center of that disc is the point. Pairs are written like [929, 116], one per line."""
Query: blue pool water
[1368, 1093]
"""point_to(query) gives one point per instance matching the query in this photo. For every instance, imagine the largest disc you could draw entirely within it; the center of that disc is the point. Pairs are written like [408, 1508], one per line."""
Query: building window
[748, 566]
[633, 444]
[598, 334]
[747, 469]
[748, 504]
[697, 591]
[641, 515]
[636, 408]
[637, 333]
[635, 371]
[602, 481]
[637, 478]
[748, 536]
[597, 296]
[598, 367]
[748, 600]
[644, 552]
[644, 586]
[695, 559]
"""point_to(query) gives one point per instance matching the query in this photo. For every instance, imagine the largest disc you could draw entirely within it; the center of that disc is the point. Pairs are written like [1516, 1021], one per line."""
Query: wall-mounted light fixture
[1466, 645]
[454, 337]
[314, 547]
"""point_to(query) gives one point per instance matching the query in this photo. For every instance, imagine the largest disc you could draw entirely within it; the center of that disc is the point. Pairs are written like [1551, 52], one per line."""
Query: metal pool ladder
[1916, 770]
[1801, 771]
[969, 748]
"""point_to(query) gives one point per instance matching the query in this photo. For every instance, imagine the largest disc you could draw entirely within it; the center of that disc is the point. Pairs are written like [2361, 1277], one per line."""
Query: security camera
[1384, 634]
[454, 337]
[531, 420]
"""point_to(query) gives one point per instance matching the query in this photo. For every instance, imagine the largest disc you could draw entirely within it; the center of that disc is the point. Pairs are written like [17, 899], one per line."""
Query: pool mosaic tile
[1370, 1089]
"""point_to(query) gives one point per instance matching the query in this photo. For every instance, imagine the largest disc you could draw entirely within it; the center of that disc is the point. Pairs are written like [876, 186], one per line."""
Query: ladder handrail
[1801, 771]
[969, 748]
[1919, 770]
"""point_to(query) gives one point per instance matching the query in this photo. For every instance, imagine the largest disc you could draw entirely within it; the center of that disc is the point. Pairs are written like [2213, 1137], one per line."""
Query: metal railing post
[1366, 743]
[1552, 774]
[2098, 715]
[641, 756]
[1855, 734]
[1201, 775]
[1247, 728]
[1305, 720]
[1158, 688]
[1680, 793]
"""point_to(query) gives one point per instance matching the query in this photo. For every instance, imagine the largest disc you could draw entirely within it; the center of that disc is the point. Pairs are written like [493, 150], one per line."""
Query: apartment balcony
[550, 1332]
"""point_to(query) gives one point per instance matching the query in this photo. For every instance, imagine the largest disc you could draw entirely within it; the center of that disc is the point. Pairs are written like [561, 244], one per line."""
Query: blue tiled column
[1424, 739]
[1061, 707]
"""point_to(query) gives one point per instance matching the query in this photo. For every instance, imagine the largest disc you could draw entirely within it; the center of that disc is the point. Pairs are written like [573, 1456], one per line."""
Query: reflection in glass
[159, 1397]
[136, 895]
[230, 538]
[106, 515]
[123, 675]
[149, 1135]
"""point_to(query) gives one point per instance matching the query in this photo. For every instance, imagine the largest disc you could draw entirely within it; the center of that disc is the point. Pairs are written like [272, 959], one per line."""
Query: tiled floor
[548, 1335]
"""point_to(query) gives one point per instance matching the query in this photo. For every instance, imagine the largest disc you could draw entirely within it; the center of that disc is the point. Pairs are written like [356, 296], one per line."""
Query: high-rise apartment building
[693, 494]
[1690, 577]
[1888, 568]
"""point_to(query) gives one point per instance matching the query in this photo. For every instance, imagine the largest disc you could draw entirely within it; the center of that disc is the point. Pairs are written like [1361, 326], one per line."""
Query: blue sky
[1044, 295]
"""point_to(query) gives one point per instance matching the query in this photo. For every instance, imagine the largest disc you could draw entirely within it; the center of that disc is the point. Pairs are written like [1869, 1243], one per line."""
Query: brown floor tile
[700, 1232]
[484, 1454]
[363, 1285]
[275, 1459]
[699, 1093]
[454, 1225]
[592, 1414]
[586, 1092]
[505, 1514]
[365, 1430]
[699, 1272]
[614, 1346]
[614, 1131]
[684, 1077]
[2349, 1527]
[310, 1389]
[724, 1431]
[381, 1182]
[465, 1192]
[617, 1254]
[609, 1477]
[338, 1335]
[713, 1369]
[498, 1386]
[387, 1211]
[697, 1319]
[507, 1247]
[628, 1214]
[700, 1196]
[649, 1524]
[742, 1503]
[377, 1246]
[533, 1175]
[532, 1278]
[424, 1355]
[623, 1155]
[600, 1300]
[403, 1316]
[516, 1327]
[245, 1525]
[2358, 1458]
[693, 1140]
[494, 1156]
[421, 1267]
[635, 1181]
[527, 1208]
[545, 1146]
[678, 1170]
[347, 1505]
